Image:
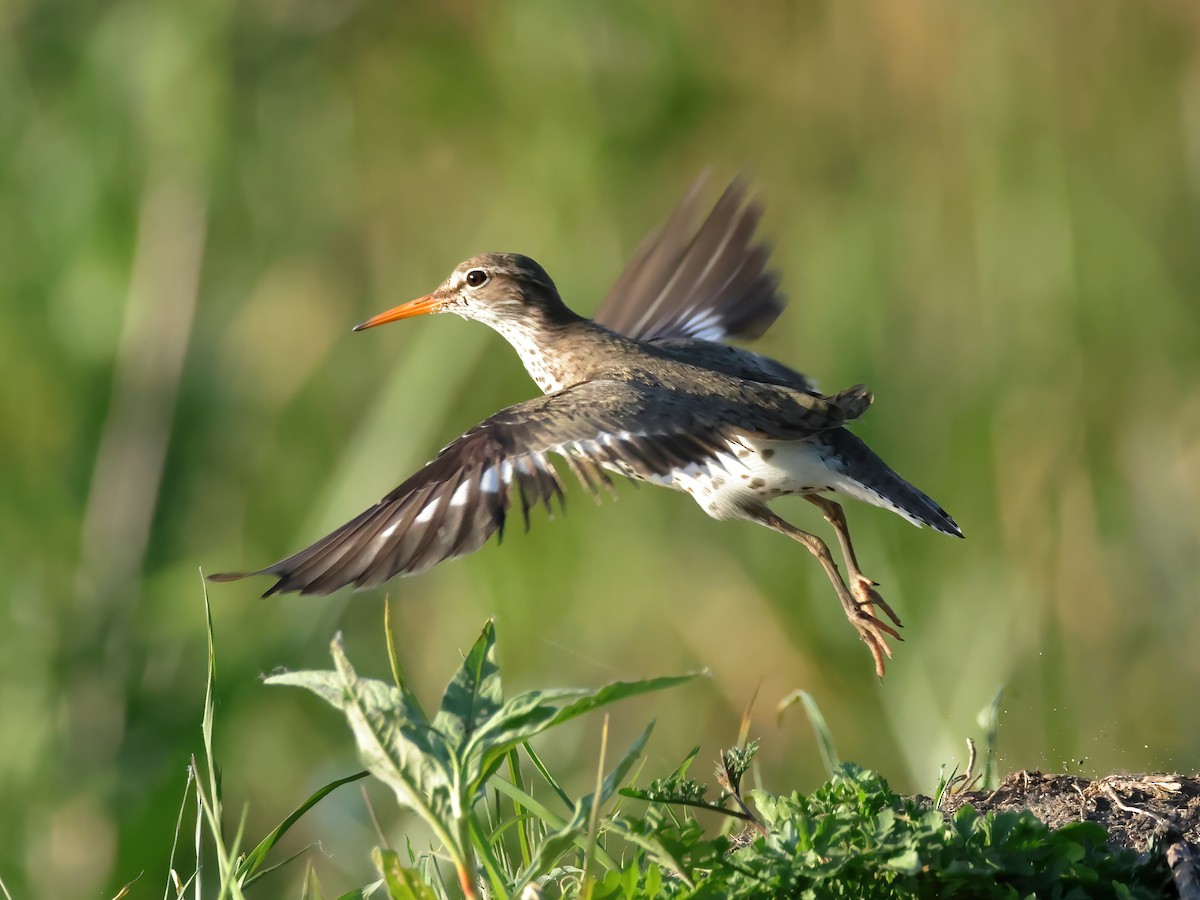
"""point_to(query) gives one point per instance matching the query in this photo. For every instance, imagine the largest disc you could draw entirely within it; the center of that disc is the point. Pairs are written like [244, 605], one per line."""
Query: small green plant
[461, 771]
[855, 838]
[236, 870]
[440, 767]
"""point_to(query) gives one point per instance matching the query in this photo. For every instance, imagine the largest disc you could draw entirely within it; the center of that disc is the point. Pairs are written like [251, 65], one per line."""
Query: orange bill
[419, 307]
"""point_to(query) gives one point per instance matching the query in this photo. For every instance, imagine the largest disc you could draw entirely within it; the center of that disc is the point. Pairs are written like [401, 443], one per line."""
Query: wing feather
[456, 502]
[709, 282]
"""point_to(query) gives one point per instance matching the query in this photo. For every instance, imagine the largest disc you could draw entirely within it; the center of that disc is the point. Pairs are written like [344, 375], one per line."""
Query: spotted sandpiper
[647, 390]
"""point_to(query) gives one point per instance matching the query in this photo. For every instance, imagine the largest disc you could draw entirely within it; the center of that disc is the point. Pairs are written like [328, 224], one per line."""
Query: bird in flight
[647, 390]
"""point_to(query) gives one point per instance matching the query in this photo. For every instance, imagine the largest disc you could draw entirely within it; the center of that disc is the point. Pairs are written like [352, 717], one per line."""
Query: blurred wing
[710, 283]
[456, 502]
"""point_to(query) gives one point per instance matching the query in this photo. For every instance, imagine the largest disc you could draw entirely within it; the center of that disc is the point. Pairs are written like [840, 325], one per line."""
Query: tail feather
[870, 479]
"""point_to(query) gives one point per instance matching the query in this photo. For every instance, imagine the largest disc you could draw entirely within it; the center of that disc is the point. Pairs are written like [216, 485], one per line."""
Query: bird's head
[497, 289]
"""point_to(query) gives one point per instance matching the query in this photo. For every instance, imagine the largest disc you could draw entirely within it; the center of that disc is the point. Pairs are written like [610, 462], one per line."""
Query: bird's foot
[863, 589]
[873, 631]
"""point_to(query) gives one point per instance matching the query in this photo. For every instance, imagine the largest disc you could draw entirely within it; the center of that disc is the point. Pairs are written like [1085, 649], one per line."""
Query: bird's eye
[476, 277]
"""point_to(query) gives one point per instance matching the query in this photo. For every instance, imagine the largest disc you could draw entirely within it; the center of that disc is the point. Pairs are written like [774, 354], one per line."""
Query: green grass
[469, 772]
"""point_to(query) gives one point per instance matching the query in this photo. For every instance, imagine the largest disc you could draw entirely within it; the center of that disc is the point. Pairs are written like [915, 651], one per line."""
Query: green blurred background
[986, 211]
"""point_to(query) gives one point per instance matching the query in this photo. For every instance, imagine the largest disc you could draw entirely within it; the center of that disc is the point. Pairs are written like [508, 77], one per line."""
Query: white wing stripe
[458, 498]
[489, 480]
[424, 515]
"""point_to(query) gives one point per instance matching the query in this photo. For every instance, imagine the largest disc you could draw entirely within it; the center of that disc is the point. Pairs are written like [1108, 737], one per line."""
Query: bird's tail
[868, 478]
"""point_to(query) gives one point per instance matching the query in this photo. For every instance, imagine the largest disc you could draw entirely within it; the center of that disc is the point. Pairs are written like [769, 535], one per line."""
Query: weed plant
[851, 837]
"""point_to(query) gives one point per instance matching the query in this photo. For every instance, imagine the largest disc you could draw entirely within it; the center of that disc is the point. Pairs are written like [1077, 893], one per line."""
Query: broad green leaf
[395, 742]
[531, 713]
[330, 687]
[409, 757]
[325, 684]
[518, 720]
[474, 694]
[619, 690]
[402, 883]
[908, 862]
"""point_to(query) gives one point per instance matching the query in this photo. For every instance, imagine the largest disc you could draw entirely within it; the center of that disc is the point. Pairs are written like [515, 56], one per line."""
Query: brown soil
[1146, 813]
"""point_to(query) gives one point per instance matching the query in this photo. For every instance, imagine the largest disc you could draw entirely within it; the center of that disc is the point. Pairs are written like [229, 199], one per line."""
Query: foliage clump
[854, 837]
[509, 832]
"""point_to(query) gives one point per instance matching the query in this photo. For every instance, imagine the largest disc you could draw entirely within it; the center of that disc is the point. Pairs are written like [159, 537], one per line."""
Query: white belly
[754, 471]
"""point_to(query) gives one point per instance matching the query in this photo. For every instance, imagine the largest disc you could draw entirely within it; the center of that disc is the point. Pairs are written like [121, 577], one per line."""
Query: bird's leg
[862, 587]
[873, 632]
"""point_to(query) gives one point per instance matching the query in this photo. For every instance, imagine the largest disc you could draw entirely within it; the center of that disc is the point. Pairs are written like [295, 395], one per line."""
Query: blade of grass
[594, 818]
[225, 857]
[175, 840]
[206, 723]
[246, 869]
[989, 720]
[743, 737]
[124, 891]
[383, 841]
[744, 728]
[554, 821]
[199, 828]
[490, 864]
[393, 656]
[279, 865]
[514, 773]
[549, 779]
[820, 729]
[312, 887]
[497, 833]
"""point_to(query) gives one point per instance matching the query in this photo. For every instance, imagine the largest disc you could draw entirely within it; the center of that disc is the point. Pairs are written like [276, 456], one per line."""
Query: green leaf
[474, 694]
[518, 720]
[402, 883]
[667, 851]
[619, 690]
[246, 870]
[908, 862]
[395, 742]
[533, 712]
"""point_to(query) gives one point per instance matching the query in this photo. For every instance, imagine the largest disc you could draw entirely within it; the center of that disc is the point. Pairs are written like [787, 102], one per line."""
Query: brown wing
[460, 499]
[710, 283]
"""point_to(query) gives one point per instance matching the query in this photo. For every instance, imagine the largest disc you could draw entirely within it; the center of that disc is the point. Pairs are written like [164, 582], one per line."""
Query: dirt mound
[1146, 813]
